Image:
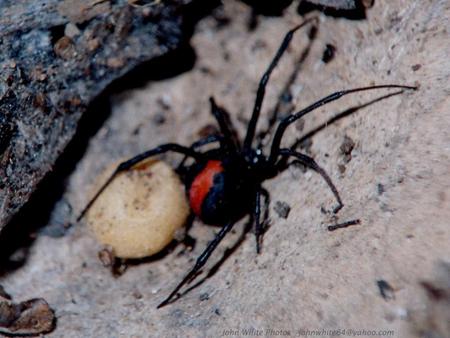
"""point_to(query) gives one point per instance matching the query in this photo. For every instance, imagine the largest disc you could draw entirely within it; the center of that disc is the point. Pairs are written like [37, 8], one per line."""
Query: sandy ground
[397, 182]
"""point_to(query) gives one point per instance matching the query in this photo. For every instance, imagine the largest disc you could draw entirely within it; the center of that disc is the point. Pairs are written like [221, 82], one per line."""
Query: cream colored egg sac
[139, 212]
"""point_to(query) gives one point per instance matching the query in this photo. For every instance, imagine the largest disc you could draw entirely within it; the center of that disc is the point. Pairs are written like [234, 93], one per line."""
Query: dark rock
[30, 318]
[328, 53]
[48, 78]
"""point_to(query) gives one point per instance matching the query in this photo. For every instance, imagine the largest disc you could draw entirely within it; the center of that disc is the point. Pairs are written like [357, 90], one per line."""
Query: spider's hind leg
[201, 261]
[259, 225]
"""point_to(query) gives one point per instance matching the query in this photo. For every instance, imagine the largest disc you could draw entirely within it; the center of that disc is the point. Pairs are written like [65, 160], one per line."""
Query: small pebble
[204, 296]
[328, 53]
[380, 189]
[159, 118]
[282, 209]
[386, 290]
[346, 148]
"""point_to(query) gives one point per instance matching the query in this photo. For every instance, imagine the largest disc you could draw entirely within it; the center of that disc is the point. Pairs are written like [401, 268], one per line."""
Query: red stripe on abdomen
[202, 185]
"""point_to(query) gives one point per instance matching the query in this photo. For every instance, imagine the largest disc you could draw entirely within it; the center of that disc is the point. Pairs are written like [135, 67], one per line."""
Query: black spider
[224, 184]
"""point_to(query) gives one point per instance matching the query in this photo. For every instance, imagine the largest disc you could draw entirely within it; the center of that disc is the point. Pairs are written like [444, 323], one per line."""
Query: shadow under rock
[359, 13]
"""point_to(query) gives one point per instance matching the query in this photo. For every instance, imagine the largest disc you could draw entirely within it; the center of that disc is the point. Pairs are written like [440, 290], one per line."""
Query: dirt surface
[389, 160]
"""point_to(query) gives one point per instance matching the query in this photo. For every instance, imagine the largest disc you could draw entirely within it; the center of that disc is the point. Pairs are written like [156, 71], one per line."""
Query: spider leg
[258, 226]
[265, 79]
[134, 160]
[285, 105]
[200, 143]
[309, 162]
[257, 214]
[274, 152]
[201, 261]
[230, 138]
[227, 139]
[207, 140]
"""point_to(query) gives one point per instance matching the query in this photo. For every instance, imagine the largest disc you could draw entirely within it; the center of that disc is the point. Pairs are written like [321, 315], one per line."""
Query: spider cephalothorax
[224, 184]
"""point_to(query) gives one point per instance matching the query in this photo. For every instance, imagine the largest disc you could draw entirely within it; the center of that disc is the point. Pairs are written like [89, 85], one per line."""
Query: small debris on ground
[386, 290]
[380, 189]
[282, 209]
[29, 318]
[343, 225]
[109, 260]
[328, 53]
[204, 296]
[346, 148]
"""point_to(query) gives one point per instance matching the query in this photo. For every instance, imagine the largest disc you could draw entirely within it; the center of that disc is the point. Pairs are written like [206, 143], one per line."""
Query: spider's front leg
[288, 120]
[201, 261]
[139, 158]
[265, 79]
[309, 162]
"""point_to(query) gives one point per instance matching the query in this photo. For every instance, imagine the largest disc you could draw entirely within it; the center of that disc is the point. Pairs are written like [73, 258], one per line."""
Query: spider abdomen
[216, 194]
[202, 184]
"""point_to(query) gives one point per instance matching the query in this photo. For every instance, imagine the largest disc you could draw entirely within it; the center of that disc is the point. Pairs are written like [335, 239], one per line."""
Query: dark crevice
[359, 13]
[56, 33]
[173, 63]
[268, 8]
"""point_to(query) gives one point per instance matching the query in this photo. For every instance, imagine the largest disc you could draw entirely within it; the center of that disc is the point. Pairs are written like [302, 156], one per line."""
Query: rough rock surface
[55, 58]
[395, 179]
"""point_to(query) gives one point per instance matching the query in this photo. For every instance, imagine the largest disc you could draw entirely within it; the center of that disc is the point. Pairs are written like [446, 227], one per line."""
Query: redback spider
[224, 184]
